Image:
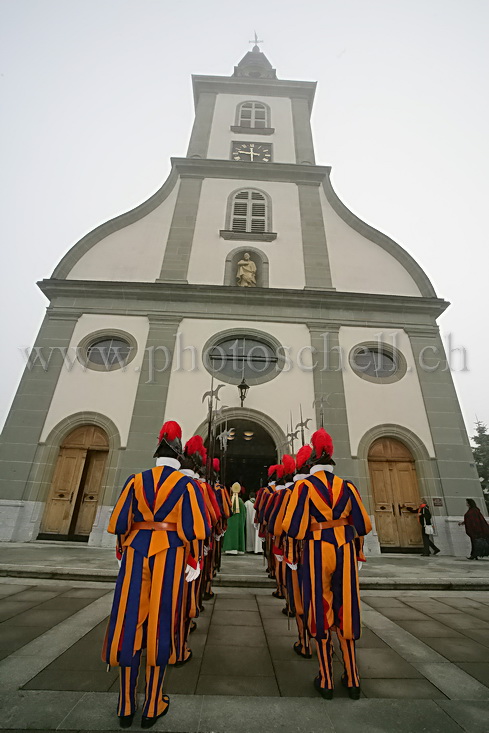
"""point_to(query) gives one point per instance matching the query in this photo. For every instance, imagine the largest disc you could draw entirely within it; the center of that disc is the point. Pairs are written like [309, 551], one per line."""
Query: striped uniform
[148, 595]
[330, 590]
[291, 552]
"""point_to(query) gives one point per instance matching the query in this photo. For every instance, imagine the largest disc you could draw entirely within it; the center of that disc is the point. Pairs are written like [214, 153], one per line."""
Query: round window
[106, 351]
[232, 357]
[379, 363]
[109, 352]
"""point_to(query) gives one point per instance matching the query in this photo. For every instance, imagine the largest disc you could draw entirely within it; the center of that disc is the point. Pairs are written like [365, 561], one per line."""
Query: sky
[96, 97]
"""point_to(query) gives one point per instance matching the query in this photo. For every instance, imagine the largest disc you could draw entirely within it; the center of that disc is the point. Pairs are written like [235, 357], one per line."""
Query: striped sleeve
[192, 523]
[360, 518]
[296, 520]
[122, 515]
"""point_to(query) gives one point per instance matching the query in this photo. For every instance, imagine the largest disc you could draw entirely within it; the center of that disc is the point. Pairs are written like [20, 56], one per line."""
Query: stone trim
[252, 130]
[181, 235]
[244, 332]
[304, 144]
[30, 406]
[222, 168]
[201, 130]
[315, 251]
[394, 353]
[306, 305]
[248, 236]
[263, 269]
[395, 250]
[243, 413]
[253, 87]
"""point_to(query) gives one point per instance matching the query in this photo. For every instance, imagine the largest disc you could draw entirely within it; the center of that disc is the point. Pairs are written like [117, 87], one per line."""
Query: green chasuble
[234, 539]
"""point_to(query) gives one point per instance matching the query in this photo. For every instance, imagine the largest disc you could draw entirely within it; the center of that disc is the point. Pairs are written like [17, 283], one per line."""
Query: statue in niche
[246, 274]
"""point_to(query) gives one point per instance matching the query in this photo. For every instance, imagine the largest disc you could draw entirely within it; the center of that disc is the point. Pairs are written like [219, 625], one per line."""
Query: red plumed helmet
[272, 470]
[303, 455]
[289, 465]
[322, 443]
[216, 465]
[280, 471]
[170, 431]
[192, 445]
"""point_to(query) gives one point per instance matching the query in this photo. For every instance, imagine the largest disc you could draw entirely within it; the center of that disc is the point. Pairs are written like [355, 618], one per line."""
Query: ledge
[248, 236]
[253, 130]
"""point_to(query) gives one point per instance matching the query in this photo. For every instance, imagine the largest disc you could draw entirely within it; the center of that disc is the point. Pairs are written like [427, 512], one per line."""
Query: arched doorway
[248, 454]
[74, 494]
[394, 487]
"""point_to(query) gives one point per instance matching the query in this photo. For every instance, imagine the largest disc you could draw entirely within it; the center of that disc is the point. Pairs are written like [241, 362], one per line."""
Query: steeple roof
[255, 65]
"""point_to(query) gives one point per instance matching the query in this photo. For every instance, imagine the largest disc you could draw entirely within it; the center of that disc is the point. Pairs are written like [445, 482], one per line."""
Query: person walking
[328, 514]
[158, 515]
[424, 519]
[477, 529]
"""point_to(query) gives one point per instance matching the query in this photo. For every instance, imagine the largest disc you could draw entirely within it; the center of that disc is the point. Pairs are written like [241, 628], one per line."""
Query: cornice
[274, 301]
[221, 168]
[249, 86]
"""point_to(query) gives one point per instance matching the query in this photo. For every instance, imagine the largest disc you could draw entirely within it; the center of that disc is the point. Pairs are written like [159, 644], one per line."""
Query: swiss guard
[159, 513]
[327, 513]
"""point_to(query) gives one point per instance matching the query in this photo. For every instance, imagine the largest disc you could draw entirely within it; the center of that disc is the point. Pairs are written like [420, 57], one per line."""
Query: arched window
[249, 216]
[253, 114]
[249, 212]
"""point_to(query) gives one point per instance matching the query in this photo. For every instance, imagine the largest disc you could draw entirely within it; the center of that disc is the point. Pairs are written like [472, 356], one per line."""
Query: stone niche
[259, 258]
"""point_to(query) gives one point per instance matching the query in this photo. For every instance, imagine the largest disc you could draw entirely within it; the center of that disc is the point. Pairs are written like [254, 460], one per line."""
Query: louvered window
[249, 212]
[253, 114]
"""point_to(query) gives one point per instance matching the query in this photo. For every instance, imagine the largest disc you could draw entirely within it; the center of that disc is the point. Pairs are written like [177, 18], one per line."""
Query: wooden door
[89, 492]
[75, 490]
[394, 487]
[62, 497]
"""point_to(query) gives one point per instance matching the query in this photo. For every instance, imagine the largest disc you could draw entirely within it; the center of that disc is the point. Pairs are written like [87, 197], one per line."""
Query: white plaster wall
[359, 265]
[275, 398]
[132, 254]
[369, 405]
[109, 393]
[209, 250]
[225, 115]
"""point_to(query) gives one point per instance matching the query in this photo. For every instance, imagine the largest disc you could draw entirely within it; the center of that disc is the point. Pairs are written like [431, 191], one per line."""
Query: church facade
[244, 265]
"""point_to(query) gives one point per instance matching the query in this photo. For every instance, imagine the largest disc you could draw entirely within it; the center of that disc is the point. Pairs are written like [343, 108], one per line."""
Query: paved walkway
[423, 657]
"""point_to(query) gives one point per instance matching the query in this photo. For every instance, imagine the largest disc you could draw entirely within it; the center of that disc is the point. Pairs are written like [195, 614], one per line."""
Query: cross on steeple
[256, 41]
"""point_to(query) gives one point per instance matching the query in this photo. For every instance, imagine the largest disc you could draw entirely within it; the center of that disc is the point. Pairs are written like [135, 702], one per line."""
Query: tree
[481, 456]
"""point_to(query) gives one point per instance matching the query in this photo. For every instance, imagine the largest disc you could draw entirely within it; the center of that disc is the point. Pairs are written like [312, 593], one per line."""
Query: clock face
[252, 152]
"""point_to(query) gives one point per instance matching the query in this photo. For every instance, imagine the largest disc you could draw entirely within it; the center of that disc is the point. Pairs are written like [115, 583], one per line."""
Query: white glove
[119, 562]
[292, 565]
[279, 558]
[360, 565]
[191, 573]
[206, 550]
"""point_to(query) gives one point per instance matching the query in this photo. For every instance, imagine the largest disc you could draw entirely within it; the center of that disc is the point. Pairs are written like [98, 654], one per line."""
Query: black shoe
[208, 596]
[125, 721]
[323, 691]
[353, 692]
[436, 551]
[425, 554]
[297, 649]
[276, 594]
[193, 627]
[149, 722]
[287, 612]
[183, 661]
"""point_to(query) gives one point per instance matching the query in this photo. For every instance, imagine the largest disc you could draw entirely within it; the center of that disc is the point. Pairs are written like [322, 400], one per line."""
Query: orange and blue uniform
[148, 595]
[328, 514]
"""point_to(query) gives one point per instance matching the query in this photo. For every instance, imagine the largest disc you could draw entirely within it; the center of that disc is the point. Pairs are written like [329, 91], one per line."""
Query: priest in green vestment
[234, 540]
